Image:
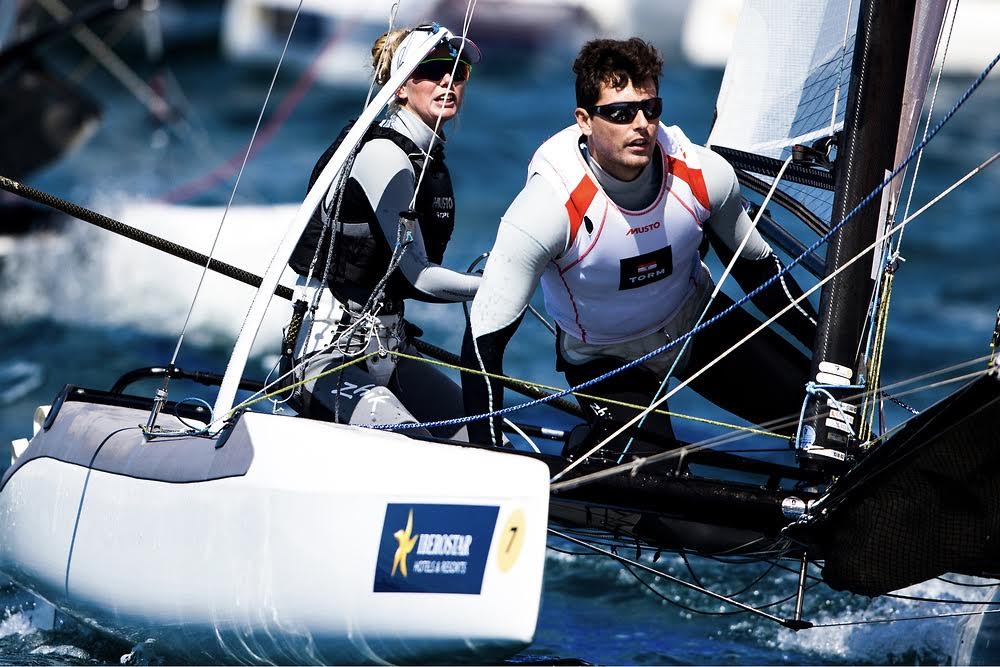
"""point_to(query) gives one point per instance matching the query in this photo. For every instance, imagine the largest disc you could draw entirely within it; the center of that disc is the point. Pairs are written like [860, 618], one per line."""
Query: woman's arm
[385, 173]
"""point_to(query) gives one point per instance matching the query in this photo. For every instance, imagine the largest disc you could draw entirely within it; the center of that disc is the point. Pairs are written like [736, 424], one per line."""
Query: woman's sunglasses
[434, 69]
[622, 113]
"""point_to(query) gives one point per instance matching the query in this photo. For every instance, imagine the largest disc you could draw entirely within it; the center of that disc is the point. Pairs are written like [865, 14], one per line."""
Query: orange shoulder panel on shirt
[578, 203]
[693, 177]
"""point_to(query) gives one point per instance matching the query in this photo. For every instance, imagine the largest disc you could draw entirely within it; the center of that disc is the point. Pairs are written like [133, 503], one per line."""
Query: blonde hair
[383, 50]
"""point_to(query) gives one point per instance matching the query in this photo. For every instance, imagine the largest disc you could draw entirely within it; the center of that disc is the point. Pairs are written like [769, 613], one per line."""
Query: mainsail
[786, 82]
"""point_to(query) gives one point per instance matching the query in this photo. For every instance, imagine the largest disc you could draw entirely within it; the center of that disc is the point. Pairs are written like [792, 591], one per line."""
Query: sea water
[78, 305]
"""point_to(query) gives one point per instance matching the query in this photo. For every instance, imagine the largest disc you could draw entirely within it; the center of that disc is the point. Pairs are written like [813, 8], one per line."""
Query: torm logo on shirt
[646, 268]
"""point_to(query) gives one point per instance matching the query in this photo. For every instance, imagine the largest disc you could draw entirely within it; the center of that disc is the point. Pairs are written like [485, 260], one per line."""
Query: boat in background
[334, 39]
[45, 114]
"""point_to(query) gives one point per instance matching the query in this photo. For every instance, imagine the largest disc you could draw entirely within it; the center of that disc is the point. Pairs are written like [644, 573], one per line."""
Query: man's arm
[385, 173]
[532, 232]
[757, 263]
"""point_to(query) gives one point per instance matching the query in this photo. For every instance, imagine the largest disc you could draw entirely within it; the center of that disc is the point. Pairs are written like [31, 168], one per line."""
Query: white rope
[930, 113]
[381, 56]
[469, 9]
[517, 429]
[232, 196]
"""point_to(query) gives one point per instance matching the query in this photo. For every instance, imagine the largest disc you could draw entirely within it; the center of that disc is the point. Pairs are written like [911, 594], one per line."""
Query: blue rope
[867, 200]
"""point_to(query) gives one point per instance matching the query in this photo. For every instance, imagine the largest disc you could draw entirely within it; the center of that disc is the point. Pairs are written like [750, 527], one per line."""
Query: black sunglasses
[621, 113]
[434, 69]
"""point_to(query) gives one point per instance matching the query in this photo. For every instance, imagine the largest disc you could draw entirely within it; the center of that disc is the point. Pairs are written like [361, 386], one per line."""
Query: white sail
[787, 81]
[787, 77]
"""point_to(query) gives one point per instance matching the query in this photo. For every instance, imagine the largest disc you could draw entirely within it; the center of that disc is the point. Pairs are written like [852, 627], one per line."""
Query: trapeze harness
[359, 260]
[361, 253]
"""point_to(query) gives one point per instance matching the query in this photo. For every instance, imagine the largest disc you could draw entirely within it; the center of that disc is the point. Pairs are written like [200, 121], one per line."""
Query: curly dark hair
[614, 63]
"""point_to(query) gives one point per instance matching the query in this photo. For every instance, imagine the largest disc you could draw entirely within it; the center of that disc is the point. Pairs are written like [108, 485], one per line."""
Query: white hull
[279, 563]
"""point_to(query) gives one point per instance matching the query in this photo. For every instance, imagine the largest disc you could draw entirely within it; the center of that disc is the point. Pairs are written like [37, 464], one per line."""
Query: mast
[865, 153]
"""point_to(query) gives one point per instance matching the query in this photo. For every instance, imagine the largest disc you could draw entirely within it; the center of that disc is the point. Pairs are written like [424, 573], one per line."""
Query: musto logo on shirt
[646, 268]
[632, 231]
[434, 548]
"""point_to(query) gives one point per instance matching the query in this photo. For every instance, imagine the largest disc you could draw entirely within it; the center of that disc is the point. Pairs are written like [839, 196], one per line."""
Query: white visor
[466, 49]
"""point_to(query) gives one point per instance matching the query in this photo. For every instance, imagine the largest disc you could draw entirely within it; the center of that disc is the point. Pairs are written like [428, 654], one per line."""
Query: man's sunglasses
[622, 113]
[434, 69]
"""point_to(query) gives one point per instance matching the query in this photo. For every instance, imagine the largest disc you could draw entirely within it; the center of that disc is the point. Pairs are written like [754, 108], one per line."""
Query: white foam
[86, 275]
[884, 643]
[16, 623]
[18, 379]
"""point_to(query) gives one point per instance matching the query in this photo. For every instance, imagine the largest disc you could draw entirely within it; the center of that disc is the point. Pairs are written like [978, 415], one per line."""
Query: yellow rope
[253, 401]
[875, 367]
[526, 383]
[592, 397]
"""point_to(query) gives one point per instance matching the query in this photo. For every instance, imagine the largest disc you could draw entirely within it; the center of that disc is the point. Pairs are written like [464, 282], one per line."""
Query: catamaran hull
[280, 543]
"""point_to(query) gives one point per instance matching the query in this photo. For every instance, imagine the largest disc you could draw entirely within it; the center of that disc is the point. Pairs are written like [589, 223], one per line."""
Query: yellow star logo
[406, 544]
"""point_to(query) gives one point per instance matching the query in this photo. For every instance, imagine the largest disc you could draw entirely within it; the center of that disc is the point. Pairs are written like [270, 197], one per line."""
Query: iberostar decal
[434, 548]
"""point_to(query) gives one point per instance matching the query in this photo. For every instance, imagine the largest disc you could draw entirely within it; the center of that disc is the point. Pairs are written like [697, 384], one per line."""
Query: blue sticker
[434, 548]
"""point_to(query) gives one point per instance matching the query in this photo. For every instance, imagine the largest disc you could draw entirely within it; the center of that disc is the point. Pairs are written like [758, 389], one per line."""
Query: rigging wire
[930, 113]
[226, 167]
[381, 56]
[704, 612]
[919, 598]
[840, 67]
[218, 232]
[736, 603]
[469, 9]
[967, 585]
[697, 579]
[927, 617]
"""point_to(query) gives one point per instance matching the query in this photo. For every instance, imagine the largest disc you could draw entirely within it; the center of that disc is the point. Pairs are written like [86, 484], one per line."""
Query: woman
[390, 223]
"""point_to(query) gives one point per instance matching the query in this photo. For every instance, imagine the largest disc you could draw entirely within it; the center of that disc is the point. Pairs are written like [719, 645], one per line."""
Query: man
[613, 222]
